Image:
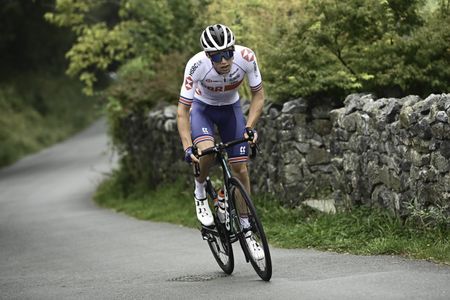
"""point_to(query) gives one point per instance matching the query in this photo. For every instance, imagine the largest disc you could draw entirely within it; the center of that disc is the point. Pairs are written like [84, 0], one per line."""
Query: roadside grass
[169, 203]
[38, 110]
[362, 232]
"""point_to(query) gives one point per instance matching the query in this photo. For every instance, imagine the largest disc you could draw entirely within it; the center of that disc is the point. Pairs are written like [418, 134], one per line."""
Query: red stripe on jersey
[233, 86]
[187, 102]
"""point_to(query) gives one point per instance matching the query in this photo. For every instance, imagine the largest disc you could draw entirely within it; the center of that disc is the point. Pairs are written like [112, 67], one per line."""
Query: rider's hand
[252, 134]
[189, 155]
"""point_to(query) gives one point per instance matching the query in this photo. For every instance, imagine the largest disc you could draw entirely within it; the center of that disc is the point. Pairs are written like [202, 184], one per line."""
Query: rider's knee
[240, 169]
[206, 160]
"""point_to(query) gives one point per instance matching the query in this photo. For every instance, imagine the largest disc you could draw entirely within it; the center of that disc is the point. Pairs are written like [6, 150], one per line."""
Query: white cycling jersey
[203, 82]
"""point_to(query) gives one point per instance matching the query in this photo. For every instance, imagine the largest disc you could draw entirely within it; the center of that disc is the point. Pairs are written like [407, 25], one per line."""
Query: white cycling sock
[200, 192]
[244, 222]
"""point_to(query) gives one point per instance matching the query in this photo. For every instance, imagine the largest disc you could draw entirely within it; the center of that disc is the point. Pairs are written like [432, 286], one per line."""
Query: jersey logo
[198, 92]
[194, 67]
[214, 88]
[242, 150]
[188, 83]
[247, 55]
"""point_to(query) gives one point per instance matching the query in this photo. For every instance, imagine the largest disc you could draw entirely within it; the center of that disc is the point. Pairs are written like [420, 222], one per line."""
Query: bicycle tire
[262, 267]
[221, 248]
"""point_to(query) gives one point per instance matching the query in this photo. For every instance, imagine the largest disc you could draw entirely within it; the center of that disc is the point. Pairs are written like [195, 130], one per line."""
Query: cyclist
[209, 97]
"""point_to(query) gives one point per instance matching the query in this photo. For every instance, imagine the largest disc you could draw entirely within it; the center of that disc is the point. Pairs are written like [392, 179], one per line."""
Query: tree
[355, 45]
[22, 46]
[263, 25]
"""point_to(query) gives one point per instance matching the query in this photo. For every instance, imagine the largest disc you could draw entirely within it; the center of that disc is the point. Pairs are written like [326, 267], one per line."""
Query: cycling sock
[244, 222]
[200, 192]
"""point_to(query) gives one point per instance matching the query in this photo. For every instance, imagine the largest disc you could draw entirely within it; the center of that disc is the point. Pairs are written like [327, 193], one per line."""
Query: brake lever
[254, 150]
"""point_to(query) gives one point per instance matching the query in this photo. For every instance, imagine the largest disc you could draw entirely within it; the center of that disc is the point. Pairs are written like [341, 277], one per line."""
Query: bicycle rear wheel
[263, 267]
[220, 245]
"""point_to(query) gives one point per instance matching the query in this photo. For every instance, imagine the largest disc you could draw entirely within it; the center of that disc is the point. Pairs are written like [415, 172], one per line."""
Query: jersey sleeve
[190, 80]
[252, 69]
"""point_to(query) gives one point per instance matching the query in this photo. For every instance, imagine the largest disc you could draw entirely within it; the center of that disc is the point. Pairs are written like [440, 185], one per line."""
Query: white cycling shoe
[204, 214]
[253, 246]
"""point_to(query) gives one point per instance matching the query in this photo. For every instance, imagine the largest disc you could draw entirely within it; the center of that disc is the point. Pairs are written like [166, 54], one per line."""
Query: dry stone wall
[388, 152]
[295, 163]
[392, 152]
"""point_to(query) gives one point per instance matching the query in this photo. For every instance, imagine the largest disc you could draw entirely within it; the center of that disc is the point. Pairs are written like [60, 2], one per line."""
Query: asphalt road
[55, 243]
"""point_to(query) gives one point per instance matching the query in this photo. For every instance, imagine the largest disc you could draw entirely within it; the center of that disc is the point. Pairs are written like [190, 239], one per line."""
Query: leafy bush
[143, 44]
[109, 35]
[328, 48]
[391, 48]
[37, 110]
[321, 50]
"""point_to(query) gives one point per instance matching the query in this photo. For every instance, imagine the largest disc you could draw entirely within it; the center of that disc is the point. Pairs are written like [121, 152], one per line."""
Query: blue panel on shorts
[229, 120]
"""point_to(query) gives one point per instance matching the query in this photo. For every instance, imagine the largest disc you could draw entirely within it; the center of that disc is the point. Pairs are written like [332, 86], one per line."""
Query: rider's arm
[185, 101]
[255, 82]
[256, 108]
[184, 128]
[183, 125]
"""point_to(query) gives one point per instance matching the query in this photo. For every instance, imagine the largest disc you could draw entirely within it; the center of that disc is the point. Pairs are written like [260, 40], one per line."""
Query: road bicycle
[228, 230]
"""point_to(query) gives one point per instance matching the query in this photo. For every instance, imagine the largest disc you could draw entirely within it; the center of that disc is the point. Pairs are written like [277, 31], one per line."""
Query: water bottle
[221, 210]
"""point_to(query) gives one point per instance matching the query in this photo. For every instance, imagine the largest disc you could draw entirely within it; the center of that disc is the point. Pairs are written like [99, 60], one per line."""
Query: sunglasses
[217, 57]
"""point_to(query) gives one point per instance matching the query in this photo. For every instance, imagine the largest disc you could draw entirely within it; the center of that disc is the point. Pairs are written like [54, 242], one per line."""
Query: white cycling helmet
[216, 38]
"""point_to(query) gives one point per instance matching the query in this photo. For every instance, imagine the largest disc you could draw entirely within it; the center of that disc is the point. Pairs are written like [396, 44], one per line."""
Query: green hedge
[37, 110]
[317, 49]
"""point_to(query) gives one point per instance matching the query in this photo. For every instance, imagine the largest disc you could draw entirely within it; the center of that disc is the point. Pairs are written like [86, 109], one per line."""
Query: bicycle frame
[233, 225]
[230, 230]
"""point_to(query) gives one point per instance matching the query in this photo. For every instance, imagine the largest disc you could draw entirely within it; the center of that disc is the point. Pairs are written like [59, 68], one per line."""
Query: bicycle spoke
[263, 267]
[221, 249]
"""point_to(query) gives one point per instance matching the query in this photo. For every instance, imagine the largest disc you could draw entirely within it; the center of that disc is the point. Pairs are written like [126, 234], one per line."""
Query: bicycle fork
[234, 227]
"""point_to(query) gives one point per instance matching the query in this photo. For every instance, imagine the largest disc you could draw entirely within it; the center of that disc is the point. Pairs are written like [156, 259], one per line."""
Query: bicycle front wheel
[221, 248]
[262, 266]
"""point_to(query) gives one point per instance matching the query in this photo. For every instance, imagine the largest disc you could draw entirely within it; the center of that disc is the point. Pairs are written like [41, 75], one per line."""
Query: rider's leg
[240, 170]
[205, 161]
[204, 214]
[202, 132]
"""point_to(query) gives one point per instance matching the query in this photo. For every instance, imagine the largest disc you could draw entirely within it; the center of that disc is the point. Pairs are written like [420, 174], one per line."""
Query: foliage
[260, 25]
[142, 203]
[428, 218]
[321, 50]
[30, 45]
[37, 110]
[327, 49]
[305, 48]
[354, 45]
[130, 29]
[38, 104]
[142, 45]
